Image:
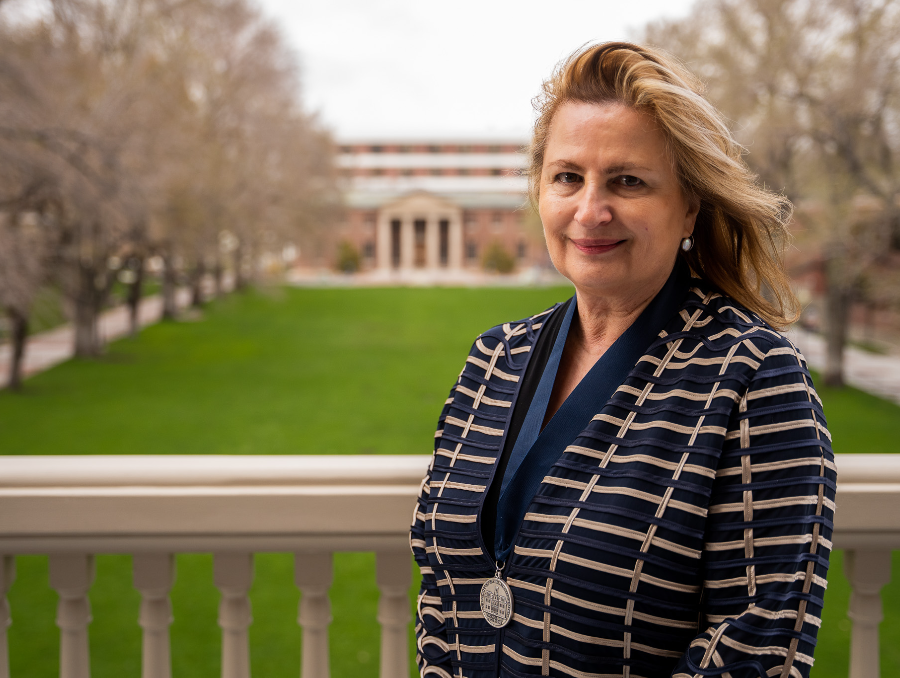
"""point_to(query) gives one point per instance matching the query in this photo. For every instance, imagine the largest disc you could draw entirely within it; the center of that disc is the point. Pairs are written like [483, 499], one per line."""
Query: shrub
[348, 257]
[497, 259]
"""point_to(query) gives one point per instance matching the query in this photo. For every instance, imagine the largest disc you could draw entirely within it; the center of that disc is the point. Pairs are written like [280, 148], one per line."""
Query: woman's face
[613, 212]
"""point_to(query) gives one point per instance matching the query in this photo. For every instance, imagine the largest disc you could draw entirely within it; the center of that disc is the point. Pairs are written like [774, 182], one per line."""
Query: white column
[407, 243]
[233, 575]
[868, 571]
[456, 243]
[393, 574]
[71, 576]
[432, 243]
[313, 573]
[154, 574]
[7, 576]
[383, 242]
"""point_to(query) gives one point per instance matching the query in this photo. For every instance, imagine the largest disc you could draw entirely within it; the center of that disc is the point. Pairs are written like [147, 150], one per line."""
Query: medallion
[496, 602]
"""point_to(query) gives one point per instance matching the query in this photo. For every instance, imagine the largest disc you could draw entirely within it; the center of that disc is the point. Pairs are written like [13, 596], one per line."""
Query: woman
[639, 481]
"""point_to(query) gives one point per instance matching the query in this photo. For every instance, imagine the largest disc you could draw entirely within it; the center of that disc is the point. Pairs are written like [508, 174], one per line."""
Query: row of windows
[470, 220]
[471, 250]
[434, 171]
[431, 148]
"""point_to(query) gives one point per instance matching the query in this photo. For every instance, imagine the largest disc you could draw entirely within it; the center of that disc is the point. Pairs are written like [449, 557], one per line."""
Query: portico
[419, 231]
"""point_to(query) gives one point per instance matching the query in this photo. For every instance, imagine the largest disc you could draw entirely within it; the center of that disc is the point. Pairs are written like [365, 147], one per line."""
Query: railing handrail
[340, 502]
[224, 470]
[216, 470]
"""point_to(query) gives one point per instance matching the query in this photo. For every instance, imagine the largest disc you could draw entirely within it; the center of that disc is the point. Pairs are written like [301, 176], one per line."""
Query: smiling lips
[596, 245]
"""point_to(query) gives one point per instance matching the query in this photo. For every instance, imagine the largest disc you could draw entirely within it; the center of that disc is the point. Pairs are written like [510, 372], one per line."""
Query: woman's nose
[593, 208]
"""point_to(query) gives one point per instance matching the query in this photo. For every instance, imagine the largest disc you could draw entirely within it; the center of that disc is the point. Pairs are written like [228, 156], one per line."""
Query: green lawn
[292, 371]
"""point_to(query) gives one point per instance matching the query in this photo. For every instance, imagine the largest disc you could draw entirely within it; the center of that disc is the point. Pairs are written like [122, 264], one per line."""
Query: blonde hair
[741, 228]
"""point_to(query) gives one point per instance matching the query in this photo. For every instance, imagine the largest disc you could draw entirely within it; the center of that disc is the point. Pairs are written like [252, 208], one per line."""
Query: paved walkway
[878, 374]
[46, 349]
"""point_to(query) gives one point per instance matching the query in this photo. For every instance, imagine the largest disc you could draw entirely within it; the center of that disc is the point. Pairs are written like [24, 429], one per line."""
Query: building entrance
[419, 243]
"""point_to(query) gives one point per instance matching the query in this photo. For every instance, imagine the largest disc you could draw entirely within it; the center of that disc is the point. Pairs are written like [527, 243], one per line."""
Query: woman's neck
[602, 320]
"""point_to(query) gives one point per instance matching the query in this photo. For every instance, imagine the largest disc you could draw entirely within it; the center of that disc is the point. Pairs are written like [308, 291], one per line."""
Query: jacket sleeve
[768, 531]
[432, 649]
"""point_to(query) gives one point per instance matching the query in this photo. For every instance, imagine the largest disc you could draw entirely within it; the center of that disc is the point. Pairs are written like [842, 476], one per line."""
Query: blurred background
[275, 227]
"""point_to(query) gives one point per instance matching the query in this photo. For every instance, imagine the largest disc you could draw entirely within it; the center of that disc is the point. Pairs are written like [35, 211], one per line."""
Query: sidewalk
[50, 348]
[877, 374]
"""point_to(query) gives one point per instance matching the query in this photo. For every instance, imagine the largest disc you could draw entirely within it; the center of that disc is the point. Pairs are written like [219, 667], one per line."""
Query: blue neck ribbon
[535, 450]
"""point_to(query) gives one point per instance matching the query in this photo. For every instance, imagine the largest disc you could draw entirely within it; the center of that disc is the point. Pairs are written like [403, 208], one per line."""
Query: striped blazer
[685, 532]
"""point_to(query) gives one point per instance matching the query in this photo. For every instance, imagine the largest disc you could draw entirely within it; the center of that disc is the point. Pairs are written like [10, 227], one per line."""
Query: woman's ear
[690, 217]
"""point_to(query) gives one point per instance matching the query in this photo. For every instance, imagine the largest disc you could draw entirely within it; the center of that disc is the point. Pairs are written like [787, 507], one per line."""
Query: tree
[141, 128]
[812, 89]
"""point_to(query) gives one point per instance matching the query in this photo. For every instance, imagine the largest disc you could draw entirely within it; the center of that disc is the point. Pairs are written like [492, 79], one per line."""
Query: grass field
[290, 371]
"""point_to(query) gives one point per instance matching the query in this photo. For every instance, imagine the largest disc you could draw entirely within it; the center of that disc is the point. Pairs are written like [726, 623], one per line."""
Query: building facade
[438, 209]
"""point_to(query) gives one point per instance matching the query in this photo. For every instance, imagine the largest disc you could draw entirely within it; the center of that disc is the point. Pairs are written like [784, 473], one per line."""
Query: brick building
[434, 208]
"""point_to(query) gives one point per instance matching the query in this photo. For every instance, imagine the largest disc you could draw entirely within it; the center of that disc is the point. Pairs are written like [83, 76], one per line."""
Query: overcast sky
[460, 68]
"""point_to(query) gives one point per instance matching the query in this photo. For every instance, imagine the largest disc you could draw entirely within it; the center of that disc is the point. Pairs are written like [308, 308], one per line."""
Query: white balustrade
[313, 573]
[71, 507]
[154, 574]
[233, 575]
[7, 575]
[868, 571]
[393, 574]
[71, 576]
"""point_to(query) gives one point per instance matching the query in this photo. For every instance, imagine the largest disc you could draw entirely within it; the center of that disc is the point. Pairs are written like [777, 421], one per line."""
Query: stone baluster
[313, 573]
[7, 576]
[71, 576]
[154, 574]
[868, 571]
[393, 574]
[233, 575]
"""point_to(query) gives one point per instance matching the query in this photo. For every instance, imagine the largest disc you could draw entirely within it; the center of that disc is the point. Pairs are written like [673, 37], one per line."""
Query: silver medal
[496, 602]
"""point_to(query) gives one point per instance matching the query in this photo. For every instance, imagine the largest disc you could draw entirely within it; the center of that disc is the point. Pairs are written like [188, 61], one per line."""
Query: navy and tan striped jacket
[685, 532]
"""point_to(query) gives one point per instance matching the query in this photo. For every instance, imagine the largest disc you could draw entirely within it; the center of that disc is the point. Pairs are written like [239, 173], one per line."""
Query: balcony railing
[72, 508]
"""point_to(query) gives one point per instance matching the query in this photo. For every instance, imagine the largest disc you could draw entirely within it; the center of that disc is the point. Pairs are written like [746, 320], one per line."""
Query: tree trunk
[135, 292]
[838, 298]
[170, 307]
[197, 284]
[19, 335]
[87, 344]
[239, 280]
[218, 273]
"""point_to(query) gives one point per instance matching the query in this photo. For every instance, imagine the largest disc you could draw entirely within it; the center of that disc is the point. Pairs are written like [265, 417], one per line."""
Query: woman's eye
[568, 178]
[628, 180]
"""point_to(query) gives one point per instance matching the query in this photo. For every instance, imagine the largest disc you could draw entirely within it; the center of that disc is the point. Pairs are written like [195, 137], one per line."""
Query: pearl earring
[688, 243]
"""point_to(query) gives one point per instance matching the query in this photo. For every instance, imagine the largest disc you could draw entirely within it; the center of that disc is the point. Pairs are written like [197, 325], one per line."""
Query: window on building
[444, 241]
[377, 172]
[406, 171]
[346, 149]
[434, 149]
[496, 172]
[377, 149]
[497, 221]
[395, 243]
[369, 221]
[369, 249]
[471, 251]
[464, 171]
[406, 149]
[436, 171]
[465, 149]
[522, 250]
[493, 149]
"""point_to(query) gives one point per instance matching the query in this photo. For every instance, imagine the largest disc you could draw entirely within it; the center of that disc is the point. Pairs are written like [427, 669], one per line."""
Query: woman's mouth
[596, 245]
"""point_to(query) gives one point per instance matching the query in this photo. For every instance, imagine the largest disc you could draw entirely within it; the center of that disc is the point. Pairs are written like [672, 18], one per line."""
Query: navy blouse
[684, 531]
